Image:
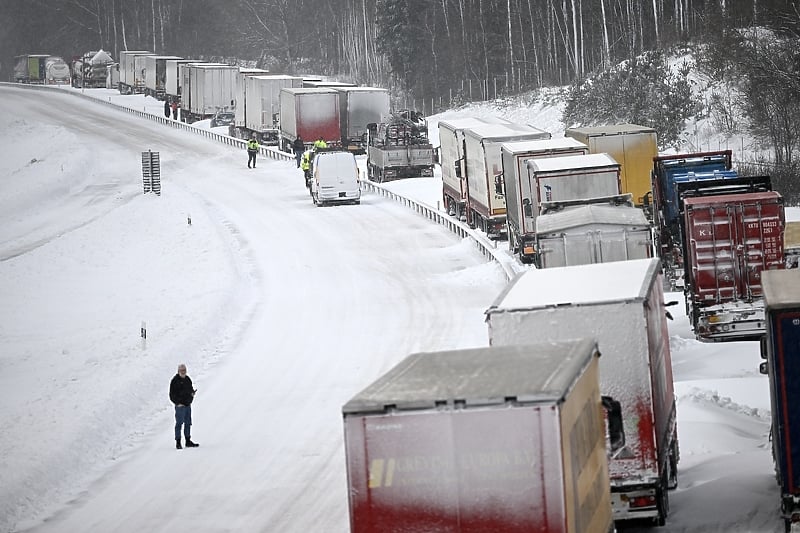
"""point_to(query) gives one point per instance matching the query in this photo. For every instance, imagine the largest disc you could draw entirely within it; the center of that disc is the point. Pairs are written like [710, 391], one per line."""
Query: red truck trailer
[729, 240]
[310, 114]
[506, 439]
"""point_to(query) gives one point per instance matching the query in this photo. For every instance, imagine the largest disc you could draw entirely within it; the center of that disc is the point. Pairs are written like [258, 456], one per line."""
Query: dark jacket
[181, 390]
[298, 145]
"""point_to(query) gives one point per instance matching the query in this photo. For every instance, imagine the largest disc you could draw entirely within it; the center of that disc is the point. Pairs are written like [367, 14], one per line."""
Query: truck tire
[662, 496]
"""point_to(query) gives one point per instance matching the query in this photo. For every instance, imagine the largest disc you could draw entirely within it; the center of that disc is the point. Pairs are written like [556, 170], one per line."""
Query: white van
[335, 179]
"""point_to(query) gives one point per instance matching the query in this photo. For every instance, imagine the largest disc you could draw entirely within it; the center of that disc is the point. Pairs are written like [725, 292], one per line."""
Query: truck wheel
[672, 466]
[662, 494]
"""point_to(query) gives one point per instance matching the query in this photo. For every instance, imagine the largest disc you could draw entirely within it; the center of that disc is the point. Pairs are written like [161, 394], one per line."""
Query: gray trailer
[517, 187]
[172, 78]
[359, 107]
[399, 148]
[600, 230]
[207, 88]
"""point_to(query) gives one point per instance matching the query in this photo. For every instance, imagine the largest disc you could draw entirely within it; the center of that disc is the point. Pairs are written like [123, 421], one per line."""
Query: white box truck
[127, 70]
[621, 305]
[505, 439]
[486, 202]
[155, 75]
[210, 88]
[519, 190]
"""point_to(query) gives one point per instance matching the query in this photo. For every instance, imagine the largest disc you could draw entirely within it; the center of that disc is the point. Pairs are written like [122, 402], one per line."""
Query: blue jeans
[183, 417]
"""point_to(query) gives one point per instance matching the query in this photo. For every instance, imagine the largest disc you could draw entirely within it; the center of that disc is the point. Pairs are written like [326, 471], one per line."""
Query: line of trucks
[277, 109]
[604, 194]
[42, 69]
[534, 432]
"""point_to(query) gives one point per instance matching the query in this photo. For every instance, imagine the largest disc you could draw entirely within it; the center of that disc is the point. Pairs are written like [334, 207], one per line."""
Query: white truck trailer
[207, 88]
[621, 305]
[451, 160]
[486, 201]
[155, 75]
[600, 230]
[258, 106]
[131, 81]
[518, 188]
[172, 78]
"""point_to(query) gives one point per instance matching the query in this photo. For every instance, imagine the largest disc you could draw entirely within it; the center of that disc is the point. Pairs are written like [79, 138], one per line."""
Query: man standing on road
[252, 150]
[181, 393]
[299, 147]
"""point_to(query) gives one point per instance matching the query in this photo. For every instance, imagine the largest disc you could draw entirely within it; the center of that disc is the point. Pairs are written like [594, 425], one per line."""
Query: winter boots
[190, 444]
[178, 444]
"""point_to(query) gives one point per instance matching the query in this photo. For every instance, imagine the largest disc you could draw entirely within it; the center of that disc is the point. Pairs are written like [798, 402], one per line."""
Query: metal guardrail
[486, 247]
[455, 226]
[224, 139]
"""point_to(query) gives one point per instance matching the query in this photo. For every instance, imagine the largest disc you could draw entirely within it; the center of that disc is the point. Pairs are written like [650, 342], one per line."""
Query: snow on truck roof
[571, 162]
[613, 129]
[781, 288]
[542, 145]
[461, 123]
[503, 131]
[576, 285]
[613, 215]
[538, 373]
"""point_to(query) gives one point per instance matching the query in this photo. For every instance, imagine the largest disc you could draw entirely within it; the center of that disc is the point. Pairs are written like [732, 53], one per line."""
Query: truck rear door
[730, 240]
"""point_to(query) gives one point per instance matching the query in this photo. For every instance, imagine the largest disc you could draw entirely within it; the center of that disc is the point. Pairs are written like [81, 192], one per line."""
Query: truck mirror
[763, 346]
[762, 368]
[671, 303]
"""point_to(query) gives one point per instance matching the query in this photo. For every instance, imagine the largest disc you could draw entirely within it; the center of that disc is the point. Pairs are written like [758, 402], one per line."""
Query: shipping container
[621, 305]
[729, 240]
[781, 348]
[632, 146]
[597, 231]
[506, 439]
[486, 202]
[310, 114]
[519, 190]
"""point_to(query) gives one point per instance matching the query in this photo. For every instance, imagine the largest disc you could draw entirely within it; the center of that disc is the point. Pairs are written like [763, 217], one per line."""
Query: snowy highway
[281, 310]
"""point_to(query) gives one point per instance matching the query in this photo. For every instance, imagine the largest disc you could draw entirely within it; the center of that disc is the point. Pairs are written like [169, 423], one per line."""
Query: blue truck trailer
[781, 349]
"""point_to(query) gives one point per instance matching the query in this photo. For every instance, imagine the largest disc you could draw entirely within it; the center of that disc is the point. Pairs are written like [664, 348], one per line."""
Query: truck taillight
[642, 501]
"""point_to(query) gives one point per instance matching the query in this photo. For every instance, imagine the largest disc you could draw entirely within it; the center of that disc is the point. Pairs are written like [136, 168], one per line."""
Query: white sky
[282, 312]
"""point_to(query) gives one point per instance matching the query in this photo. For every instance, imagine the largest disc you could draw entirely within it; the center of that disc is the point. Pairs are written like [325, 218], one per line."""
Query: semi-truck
[791, 244]
[518, 188]
[632, 146]
[399, 148]
[131, 71]
[30, 68]
[452, 161]
[599, 230]
[155, 75]
[621, 305]
[258, 105]
[359, 107]
[311, 114]
[483, 172]
[781, 349]
[206, 88]
[729, 241]
[672, 175]
[172, 78]
[485, 439]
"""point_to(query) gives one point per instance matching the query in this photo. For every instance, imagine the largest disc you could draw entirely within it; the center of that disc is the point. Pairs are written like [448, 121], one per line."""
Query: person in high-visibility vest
[252, 150]
[320, 143]
[305, 165]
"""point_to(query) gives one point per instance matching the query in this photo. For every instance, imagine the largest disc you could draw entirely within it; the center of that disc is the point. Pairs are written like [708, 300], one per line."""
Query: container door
[761, 226]
[716, 268]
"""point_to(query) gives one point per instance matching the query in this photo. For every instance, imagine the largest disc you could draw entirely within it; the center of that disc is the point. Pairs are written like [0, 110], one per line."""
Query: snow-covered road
[299, 309]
